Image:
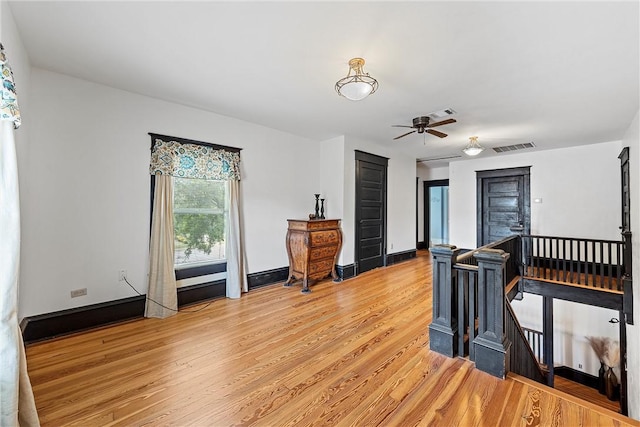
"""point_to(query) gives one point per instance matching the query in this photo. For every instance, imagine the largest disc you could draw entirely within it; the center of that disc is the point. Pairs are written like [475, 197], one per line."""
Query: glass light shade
[473, 148]
[355, 91]
[358, 84]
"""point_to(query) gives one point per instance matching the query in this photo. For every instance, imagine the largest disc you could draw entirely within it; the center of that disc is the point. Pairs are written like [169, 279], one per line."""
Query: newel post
[491, 345]
[443, 335]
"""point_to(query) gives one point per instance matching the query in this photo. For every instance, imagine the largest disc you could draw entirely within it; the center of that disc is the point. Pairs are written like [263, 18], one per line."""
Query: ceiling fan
[421, 125]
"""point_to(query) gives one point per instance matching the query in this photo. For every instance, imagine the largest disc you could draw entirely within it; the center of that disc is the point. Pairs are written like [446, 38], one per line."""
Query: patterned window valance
[185, 160]
[9, 104]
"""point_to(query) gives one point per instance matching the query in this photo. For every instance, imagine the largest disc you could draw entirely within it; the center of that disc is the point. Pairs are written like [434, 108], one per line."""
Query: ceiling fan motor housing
[420, 122]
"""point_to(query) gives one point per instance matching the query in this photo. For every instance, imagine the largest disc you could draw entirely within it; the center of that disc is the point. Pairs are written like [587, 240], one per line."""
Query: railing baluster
[564, 260]
[593, 264]
[609, 266]
[537, 258]
[619, 265]
[463, 280]
[579, 261]
[571, 277]
[601, 264]
[473, 304]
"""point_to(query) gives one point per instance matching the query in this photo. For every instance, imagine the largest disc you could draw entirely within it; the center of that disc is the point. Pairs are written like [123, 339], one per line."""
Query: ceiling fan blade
[436, 133]
[401, 126]
[444, 122]
[408, 133]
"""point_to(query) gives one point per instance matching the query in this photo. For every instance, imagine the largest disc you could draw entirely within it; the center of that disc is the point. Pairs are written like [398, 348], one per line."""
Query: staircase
[472, 290]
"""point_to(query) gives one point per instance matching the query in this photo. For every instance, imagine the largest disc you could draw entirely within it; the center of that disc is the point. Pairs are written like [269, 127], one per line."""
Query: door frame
[426, 209]
[525, 172]
[361, 156]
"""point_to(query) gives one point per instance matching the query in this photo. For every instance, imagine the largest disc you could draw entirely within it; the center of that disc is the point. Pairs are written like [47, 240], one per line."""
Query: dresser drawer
[321, 267]
[328, 237]
[323, 252]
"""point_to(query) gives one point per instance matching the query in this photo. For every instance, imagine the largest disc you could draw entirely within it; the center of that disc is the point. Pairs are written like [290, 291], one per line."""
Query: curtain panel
[17, 405]
[193, 161]
[9, 102]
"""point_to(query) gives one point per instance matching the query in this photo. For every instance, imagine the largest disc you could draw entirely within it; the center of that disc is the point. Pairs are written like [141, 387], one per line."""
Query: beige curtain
[162, 297]
[236, 262]
[17, 405]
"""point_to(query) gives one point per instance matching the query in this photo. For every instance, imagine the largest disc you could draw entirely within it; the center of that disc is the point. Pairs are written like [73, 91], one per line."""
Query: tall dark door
[626, 195]
[371, 211]
[503, 204]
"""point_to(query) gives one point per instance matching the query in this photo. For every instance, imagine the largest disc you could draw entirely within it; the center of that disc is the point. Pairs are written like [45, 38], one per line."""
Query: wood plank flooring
[349, 354]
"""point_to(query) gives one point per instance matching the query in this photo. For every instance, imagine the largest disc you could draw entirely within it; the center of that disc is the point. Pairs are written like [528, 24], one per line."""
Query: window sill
[188, 272]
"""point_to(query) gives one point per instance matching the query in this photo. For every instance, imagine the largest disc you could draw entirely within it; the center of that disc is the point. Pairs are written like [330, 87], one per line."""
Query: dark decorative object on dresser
[313, 247]
[317, 212]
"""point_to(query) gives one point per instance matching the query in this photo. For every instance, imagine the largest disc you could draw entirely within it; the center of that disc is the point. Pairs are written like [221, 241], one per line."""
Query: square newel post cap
[497, 256]
[443, 249]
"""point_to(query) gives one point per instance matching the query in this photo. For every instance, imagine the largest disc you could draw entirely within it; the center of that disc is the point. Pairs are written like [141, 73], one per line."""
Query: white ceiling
[555, 73]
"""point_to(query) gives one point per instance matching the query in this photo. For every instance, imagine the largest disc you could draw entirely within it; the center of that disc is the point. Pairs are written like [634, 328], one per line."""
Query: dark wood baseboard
[576, 376]
[346, 271]
[188, 295]
[52, 325]
[267, 277]
[64, 322]
[422, 245]
[400, 256]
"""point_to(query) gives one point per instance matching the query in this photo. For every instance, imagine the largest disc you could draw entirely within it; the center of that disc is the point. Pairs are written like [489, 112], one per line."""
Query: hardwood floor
[355, 353]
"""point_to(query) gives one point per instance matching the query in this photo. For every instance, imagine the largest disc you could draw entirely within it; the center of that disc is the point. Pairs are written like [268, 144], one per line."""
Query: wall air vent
[515, 147]
[436, 159]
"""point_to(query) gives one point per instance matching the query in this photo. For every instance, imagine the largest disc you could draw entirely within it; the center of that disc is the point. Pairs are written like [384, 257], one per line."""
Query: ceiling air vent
[435, 159]
[515, 147]
[437, 115]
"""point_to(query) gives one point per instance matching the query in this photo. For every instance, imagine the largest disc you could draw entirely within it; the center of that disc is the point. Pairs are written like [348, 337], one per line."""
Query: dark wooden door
[626, 195]
[503, 204]
[371, 211]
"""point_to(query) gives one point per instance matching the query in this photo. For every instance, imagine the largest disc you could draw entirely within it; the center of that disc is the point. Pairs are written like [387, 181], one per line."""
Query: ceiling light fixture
[358, 85]
[473, 148]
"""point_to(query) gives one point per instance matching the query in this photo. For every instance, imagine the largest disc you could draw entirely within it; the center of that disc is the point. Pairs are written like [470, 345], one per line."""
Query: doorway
[371, 211]
[503, 203]
[436, 212]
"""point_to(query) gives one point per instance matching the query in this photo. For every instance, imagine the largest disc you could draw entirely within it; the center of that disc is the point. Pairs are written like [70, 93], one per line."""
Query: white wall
[573, 322]
[332, 177]
[632, 140]
[86, 210]
[401, 198]
[87, 204]
[579, 188]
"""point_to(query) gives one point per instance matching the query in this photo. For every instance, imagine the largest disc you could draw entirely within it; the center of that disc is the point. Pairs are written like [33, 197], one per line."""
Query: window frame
[200, 269]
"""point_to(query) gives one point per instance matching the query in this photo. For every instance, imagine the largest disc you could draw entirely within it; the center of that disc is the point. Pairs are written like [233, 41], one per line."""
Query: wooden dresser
[313, 247]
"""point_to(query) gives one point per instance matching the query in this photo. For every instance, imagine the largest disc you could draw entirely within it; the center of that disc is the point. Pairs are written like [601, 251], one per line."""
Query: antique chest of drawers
[313, 247]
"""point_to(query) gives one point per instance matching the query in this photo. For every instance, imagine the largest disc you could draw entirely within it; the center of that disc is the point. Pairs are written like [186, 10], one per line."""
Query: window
[200, 176]
[199, 217]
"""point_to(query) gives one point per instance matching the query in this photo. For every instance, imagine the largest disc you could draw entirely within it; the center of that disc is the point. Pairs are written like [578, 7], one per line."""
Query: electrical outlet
[391, 246]
[580, 365]
[78, 292]
[122, 275]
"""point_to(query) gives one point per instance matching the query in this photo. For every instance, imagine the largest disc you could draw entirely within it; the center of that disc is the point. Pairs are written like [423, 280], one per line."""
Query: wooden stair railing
[471, 315]
[587, 262]
[535, 340]
[523, 360]
[455, 295]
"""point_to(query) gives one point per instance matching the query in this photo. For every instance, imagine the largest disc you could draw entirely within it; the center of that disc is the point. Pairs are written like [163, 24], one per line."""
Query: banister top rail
[467, 257]
[581, 239]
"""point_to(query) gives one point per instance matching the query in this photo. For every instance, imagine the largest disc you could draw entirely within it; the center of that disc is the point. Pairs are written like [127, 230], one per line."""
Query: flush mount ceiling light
[358, 84]
[473, 148]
